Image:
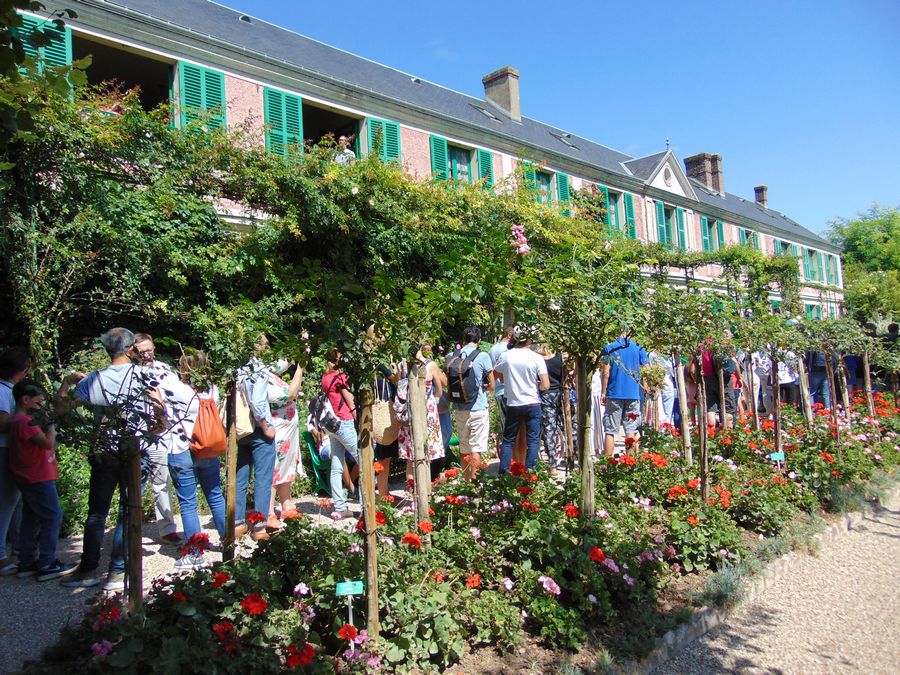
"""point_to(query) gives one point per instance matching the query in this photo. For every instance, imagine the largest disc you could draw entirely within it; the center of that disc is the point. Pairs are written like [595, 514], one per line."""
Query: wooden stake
[845, 393]
[567, 425]
[805, 397]
[829, 372]
[418, 424]
[585, 456]
[776, 404]
[704, 450]
[723, 416]
[367, 488]
[751, 382]
[230, 474]
[135, 510]
[683, 408]
[867, 384]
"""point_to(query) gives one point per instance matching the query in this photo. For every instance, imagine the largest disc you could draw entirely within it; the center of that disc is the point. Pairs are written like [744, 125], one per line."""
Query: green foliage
[72, 488]
[724, 588]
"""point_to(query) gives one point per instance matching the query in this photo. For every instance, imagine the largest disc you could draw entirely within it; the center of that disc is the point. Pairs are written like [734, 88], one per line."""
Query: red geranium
[473, 580]
[835, 473]
[451, 473]
[412, 540]
[693, 483]
[658, 460]
[827, 457]
[299, 657]
[219, 579]
[571, 510]
[517, 469]
[379, 467]
[528, 506]
[348, 632]
[628, 460]
[197, 543]
[438, 577]
[693, 520]
[254, 604]
[596, 554]
[380, 518]
[426, 527]
[178, 596]
[676, 491]
[629, 441]
[255, 517]
[524, 490]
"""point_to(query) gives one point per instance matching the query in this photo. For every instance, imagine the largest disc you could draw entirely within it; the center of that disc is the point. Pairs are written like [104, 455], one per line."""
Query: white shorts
[473, 429]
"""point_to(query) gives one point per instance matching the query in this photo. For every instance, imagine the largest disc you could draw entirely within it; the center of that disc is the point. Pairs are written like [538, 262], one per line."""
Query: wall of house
[415, 151]
[244, 106]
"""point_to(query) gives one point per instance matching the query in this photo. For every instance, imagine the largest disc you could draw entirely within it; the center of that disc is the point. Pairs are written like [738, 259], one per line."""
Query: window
[664, 224]
[284, 122]
[539, 184]
[712, 232]
[201, 95]
[486, 167]
[459, 163]
[449, 162]
[813, 267]
[782, 247]
[384, 138]
[831, 269]
[749, 237]
[813, 311]
[611, 201]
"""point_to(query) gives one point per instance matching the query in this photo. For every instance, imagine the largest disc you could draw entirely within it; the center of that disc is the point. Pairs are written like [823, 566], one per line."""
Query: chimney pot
[502, 89]
[762, 195]
[707, 168]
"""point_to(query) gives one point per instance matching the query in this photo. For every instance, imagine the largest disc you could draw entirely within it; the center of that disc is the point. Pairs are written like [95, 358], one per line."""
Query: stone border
[708, 618]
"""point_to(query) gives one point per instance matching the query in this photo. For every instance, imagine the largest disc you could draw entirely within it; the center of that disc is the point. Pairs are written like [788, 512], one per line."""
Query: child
[32, 462]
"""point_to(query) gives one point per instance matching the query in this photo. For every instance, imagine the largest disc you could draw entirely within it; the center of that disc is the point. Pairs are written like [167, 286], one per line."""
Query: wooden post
[704, 451]
[751, 383]
[230, 474]
[418, 424]
[829, 372]
[683, 408]
[845, 393]
[867, 384]
[567, 426]
[585, 456]
[776, 404]
[367, 489]
[723, 417]
[805, 397]
[134, 534]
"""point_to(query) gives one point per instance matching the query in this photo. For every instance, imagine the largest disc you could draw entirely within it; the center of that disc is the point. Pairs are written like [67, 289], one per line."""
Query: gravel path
[834, 613]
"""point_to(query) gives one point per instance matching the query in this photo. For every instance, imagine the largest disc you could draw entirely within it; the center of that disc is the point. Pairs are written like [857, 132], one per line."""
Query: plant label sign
[777, 456]
[348, 588]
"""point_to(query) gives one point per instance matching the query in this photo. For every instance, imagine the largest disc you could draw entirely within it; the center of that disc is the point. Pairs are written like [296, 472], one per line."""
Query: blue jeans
[531, 415]
[9, 499]
[106, 475]
[260, 452]
[41, 513]
[187, 473]
[819, 390]
[343, 441]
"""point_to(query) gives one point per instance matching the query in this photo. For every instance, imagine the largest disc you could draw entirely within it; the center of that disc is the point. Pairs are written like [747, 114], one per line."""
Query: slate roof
[224, 24]
[643, 167]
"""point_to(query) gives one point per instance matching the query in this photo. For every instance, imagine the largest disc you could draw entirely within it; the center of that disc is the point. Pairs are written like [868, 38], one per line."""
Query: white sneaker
[115, 582]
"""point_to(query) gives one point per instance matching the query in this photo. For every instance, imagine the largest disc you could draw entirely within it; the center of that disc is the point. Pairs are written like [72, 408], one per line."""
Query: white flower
[354, 190]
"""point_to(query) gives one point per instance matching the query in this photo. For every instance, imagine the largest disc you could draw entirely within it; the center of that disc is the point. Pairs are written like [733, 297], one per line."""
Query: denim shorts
[621, 411]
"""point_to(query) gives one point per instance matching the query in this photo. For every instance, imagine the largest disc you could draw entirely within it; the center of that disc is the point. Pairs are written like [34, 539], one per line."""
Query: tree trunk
[135, 511]
[829, 373]
[867, 384]
[805, 397]
[704, 455]
[418, 424]
[723, 417]
[367, 490]
[585, 456]
[776, 404]
[845, 392]
[683, 408]
[567, 426]
[230, 475]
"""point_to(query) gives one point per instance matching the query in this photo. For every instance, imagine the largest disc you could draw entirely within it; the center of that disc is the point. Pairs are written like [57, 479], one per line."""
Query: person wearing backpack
[198, 444]
[343, 440]
[470, 375]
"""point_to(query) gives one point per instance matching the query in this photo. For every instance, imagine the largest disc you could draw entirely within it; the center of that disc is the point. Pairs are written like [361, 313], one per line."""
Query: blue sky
[803, 96]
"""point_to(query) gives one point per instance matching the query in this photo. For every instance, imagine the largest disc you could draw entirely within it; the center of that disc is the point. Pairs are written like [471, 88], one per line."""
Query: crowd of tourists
[174, 419]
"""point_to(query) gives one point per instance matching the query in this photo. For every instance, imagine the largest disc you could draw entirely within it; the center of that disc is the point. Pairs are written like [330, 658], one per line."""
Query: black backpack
[461, 382]
[322, 414]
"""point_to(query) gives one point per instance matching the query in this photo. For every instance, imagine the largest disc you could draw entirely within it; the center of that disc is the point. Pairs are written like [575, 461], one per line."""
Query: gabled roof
[256, 36]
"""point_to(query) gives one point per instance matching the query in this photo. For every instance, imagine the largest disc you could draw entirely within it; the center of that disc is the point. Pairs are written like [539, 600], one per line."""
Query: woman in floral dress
[434, 443]
[287, 438]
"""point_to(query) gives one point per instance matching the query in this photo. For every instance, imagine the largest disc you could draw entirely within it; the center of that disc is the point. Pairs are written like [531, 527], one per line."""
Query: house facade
[291, 90]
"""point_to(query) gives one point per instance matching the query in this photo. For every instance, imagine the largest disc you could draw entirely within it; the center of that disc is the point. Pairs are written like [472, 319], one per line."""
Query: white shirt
[7, 405]
[521, 369]
[184, 428]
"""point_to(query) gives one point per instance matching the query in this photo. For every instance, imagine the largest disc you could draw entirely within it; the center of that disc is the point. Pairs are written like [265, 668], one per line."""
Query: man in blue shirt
[472, 418]
[621, 391]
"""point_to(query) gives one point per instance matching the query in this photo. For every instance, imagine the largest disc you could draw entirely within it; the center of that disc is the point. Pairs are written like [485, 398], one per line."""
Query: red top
[706, 365]
[333, 383]
[29, 462]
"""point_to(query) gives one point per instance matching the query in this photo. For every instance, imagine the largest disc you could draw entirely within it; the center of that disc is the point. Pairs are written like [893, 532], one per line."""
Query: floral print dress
[434, 443]
[287, 431]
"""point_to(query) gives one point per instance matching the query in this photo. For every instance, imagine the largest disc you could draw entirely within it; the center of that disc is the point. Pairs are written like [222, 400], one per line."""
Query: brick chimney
[502, 89]
[707, 168]
[762, 195]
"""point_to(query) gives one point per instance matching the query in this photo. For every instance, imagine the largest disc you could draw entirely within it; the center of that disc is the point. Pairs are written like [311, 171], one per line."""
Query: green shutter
[807, 273]
[661, 234]
[202, 92]
[57, 51]
[720, 233]
[795, 253]
[821, 267]
[756, 241]
[682, 232]
[742, 234]
[388, 133]
[809, 311]
[607, 219]
[630, 226]
[439, 158]
[564, 194]
[486, 168]
[704, 233]
[284, 121]
[530, 175]
[818, 311]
